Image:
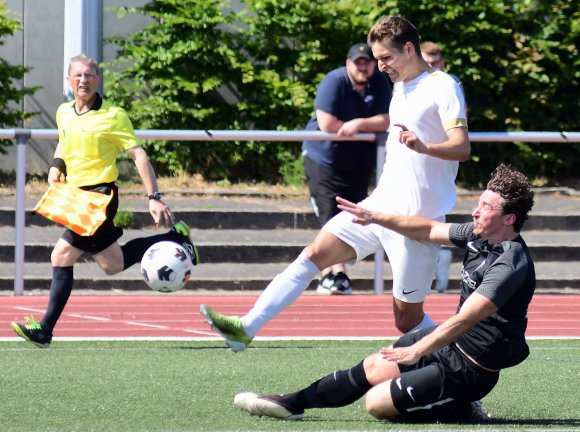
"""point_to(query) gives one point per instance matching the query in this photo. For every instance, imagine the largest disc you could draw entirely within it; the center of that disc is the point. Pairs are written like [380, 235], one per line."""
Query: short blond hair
[85, 59]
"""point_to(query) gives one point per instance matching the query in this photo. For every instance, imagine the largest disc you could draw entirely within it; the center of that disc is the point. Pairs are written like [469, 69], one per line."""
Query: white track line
[257, 339]
[89, 317]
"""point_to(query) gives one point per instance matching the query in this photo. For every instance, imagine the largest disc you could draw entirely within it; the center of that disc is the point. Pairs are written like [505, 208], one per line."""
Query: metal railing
[22, 136]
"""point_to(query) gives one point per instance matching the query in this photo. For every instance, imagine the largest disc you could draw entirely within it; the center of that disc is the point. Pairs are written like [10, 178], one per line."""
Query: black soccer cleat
[184, 233]
[341, 285]
[33, 332]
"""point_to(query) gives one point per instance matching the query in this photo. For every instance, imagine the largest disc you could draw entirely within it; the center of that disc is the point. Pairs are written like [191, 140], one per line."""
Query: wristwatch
[156, 196]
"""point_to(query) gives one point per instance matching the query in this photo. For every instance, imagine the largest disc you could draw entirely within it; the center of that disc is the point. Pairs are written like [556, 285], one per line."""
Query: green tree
[11, 92]
[202, 65]
[518, 61]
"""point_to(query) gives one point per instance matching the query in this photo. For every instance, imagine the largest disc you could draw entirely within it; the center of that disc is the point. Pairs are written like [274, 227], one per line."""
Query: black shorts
[441, 377]
[107, 233]
[326, 184]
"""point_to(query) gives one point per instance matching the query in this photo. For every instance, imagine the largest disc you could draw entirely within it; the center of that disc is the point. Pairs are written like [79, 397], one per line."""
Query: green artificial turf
[189, 386]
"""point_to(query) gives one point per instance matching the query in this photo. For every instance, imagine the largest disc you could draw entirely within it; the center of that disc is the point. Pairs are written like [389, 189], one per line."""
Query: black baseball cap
[359, 50]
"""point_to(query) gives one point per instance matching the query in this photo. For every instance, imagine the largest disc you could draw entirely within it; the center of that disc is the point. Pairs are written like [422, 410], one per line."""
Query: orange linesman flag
[81, 211]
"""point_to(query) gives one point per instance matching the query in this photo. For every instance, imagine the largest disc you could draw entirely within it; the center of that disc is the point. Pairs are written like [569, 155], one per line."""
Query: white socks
[282, 291]
[426, 322]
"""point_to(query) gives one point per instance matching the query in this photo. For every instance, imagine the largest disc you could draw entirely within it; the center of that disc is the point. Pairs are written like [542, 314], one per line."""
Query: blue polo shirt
[337, 96]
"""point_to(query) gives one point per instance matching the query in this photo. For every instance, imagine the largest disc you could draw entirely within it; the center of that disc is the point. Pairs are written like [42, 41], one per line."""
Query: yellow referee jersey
[91, 141]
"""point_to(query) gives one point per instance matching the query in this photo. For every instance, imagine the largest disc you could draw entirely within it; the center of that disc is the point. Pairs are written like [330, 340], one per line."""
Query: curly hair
[516, 191]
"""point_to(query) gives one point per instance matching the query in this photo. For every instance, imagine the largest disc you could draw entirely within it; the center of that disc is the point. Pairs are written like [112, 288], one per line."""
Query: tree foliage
[518, 61]
[11, 76]
[200, 64]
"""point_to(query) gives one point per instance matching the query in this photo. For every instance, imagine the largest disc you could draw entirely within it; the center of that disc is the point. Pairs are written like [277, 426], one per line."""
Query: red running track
[312, 316]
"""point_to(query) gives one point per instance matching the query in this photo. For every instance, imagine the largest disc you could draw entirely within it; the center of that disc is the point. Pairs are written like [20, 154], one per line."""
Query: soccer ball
[166, 266]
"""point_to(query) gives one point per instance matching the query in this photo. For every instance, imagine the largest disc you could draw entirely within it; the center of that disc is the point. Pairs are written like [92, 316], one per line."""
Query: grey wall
[40, 46]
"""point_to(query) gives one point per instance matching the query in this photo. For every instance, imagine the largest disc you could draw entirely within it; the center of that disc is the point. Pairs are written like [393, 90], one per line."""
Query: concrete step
[556, 276]
[263, 246]
[552, 211]
[245, 240]
[259, 220]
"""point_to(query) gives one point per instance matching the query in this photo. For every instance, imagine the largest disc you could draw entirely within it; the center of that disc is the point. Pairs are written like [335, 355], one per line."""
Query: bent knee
[64, 256]
[310, 252]
[372, 369]
[378, 370]
[57, 258]
[379, 405]
[327, 250]
[317, 255]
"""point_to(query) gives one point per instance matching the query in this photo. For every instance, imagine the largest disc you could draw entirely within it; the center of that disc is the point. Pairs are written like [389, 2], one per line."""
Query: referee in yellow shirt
[92, 132]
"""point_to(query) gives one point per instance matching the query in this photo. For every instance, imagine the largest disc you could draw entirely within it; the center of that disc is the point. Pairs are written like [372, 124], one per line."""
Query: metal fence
[22, 136]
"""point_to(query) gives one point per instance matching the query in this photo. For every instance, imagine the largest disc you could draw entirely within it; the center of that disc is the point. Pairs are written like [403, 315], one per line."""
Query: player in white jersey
[428, 138]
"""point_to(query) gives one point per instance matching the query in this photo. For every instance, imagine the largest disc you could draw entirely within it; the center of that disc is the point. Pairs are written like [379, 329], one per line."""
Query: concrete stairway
[244, 241]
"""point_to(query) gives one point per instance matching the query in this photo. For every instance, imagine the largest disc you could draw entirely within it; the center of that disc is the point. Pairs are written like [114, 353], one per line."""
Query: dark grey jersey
[504, 273]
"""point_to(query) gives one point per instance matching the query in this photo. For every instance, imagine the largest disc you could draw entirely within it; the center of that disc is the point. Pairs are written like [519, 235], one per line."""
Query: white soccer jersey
[413, 183]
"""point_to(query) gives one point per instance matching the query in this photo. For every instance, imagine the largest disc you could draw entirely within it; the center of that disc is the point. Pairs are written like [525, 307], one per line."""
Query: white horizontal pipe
[262, 135]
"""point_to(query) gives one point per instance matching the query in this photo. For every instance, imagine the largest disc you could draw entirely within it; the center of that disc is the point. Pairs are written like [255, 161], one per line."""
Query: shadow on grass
[225, 347]
[538, 422]
[512, 422]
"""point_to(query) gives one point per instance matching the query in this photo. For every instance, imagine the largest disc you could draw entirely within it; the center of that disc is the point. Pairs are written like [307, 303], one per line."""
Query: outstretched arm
[415, 227]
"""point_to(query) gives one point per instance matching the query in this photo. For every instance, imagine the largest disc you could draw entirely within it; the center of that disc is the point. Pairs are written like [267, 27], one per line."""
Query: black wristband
[59, 164]
[155, 196]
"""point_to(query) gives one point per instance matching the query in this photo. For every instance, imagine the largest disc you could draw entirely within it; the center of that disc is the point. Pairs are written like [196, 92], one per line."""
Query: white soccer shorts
[413, 262]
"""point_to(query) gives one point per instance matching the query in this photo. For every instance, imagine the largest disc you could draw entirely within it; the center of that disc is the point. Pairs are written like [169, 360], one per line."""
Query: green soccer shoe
[230, 328]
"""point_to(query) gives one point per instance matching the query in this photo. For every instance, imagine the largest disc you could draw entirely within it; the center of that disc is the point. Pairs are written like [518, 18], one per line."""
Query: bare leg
[407, 315]
[110, 259]
[286, 287]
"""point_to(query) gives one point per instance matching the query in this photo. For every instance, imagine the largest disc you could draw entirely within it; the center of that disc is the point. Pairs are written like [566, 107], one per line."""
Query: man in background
[433, 55]
[351, 99]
